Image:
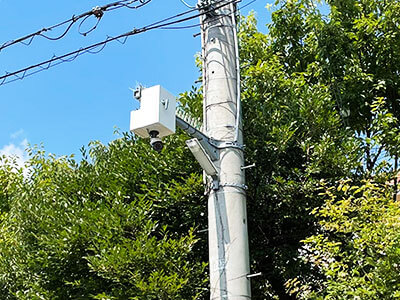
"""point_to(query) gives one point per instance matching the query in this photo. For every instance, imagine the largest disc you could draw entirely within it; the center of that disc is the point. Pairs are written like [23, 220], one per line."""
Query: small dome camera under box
[156, 113]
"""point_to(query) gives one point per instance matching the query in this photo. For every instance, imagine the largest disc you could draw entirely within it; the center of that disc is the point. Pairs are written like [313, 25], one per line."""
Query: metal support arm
[204, 140]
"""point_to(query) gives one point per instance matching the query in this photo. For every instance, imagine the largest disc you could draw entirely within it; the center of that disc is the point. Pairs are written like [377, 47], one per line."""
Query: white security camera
[156, 115]
[155, 142]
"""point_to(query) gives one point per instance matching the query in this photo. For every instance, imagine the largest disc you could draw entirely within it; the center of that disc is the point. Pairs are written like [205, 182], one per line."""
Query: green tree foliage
[357, 247]
[353, 50]
[10, 176]
[118, 225]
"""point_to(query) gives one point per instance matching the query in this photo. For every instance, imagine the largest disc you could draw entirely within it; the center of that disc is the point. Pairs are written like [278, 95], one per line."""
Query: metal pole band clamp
[224, 145]
[235, 185]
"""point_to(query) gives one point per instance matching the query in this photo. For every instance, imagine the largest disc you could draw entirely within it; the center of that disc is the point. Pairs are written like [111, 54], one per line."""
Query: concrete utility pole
[227, 218]
[219, 150]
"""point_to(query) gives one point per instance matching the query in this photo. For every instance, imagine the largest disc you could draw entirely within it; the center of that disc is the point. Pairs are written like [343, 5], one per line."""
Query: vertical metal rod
[203, 61]
[227, 217]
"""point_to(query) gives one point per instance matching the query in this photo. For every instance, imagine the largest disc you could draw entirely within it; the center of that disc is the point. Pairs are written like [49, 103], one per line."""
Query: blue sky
[74, 103]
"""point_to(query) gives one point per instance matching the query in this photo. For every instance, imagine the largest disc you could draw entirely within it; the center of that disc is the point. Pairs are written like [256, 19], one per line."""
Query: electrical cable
[142, 3]
[203, 75]
[97, 11]
[237, 63]
[89, 49]
[91, 29]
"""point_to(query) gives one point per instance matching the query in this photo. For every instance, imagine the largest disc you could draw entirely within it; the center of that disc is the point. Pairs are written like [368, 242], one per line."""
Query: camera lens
[157, 145]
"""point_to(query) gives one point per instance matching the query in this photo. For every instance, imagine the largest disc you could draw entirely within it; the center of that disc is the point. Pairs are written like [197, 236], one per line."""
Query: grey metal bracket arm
[204, 140]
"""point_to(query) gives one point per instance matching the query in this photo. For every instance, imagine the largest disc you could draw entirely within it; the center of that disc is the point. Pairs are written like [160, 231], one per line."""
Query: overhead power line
[98, 47]
[97, 11]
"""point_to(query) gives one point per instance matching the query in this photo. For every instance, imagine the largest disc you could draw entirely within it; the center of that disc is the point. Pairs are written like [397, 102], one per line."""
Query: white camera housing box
[156, 112]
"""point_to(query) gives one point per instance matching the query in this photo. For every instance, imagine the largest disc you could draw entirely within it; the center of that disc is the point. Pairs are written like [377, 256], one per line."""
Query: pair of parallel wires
[98, 12]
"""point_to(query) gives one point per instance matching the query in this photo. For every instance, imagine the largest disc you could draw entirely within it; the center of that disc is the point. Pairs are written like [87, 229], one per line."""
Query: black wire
[48, 37]
[142, 3]
[72, 21]
[91, 29]
[74, 54]
[32, 35]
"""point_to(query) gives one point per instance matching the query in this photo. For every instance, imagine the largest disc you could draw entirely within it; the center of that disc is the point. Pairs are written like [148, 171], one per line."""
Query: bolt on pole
[227, 217]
